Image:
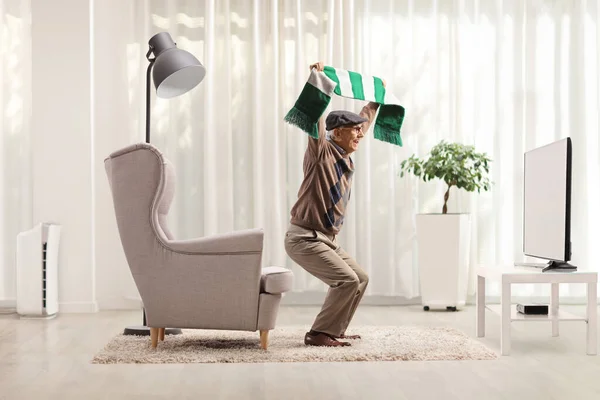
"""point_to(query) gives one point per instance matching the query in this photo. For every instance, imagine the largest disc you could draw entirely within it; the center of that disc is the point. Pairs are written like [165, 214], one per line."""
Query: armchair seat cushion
[276, 280]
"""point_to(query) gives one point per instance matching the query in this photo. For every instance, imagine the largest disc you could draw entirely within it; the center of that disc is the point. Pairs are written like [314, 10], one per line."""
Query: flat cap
[336, 119]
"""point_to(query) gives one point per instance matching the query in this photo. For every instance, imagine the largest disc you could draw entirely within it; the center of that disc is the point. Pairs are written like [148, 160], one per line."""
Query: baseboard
[290, 299]
[78, 307]
[8, 303]
[8, 306]
[119, 304]
[317, 299]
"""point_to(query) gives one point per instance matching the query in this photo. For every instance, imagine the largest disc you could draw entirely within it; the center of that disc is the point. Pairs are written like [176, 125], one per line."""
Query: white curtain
[15, 158]
[505, 76]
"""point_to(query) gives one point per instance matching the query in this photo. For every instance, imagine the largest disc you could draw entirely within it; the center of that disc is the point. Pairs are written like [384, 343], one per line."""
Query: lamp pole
[144, 330]
[148, 100]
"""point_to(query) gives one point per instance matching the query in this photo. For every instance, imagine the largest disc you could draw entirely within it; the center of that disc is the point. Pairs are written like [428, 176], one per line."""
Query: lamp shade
[175, 71]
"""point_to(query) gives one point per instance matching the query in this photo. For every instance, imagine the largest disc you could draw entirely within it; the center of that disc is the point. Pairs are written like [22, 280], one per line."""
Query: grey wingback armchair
[213, 282]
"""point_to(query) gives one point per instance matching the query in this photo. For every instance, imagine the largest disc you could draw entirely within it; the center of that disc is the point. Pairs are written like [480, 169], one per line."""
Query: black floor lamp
[174, 72]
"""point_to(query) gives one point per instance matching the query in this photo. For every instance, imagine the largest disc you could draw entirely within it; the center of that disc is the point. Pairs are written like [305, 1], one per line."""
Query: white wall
[62, 142]
[115, 128]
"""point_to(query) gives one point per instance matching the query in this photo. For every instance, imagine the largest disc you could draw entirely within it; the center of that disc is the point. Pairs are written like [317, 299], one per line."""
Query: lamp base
[145, 331]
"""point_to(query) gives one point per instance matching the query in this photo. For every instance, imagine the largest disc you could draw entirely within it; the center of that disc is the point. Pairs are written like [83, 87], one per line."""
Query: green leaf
[455, 164]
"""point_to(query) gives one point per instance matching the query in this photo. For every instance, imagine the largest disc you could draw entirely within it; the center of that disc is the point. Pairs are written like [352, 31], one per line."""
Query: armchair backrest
[142, 183]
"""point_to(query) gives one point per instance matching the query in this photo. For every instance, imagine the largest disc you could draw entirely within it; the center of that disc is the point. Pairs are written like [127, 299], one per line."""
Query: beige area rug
[286, 344]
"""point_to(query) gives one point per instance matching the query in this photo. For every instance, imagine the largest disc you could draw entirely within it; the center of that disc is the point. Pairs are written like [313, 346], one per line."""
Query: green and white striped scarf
[320, 87]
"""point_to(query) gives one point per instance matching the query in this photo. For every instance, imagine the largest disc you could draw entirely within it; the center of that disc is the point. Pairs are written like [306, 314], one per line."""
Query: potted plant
[443, 239]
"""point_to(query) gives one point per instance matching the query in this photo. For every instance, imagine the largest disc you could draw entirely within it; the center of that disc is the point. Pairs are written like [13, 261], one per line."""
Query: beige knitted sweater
[325, 190]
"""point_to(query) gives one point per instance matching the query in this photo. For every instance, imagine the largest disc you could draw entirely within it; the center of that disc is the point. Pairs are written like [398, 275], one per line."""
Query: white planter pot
[444, 245]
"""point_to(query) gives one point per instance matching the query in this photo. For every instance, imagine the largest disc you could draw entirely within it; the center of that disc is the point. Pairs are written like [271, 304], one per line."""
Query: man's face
[348, 137]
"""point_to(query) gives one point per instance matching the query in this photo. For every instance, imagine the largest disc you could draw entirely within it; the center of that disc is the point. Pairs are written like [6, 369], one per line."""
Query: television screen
[547, 202]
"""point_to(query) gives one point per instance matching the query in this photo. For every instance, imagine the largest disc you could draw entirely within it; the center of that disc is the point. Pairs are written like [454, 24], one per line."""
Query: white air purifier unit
[37, 271]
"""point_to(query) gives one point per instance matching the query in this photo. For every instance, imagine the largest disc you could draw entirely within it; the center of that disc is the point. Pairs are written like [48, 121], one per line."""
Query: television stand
[506, 276]
[559, 266]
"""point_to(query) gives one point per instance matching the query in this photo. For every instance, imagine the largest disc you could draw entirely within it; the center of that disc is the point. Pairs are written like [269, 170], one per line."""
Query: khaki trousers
[321, 256]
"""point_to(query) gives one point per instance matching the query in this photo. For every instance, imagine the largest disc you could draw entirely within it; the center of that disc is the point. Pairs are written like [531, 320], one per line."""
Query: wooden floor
[50, 360]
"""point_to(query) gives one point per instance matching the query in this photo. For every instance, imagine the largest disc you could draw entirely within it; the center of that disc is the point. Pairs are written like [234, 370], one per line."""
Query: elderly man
[317, 218]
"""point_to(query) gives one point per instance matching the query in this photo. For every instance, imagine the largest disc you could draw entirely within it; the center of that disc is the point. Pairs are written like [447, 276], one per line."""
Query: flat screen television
[547, 205]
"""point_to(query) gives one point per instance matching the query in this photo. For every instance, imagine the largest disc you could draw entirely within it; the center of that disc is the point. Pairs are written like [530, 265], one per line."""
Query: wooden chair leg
[161, 334]
[154, 337]
[264, 339]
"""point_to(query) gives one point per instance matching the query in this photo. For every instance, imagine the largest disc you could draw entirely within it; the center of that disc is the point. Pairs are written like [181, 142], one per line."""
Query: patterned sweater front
[325, 190]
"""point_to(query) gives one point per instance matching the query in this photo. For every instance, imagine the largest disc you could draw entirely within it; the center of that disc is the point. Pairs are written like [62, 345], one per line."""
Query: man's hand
[383, 81]
[319, 66]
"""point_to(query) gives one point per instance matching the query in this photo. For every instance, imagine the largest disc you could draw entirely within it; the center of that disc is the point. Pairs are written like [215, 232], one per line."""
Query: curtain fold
[15, 143]
[506, 76]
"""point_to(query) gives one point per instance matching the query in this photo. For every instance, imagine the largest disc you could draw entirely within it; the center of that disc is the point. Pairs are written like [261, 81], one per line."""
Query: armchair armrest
[276, 280]
[247, 241]
[210, 283]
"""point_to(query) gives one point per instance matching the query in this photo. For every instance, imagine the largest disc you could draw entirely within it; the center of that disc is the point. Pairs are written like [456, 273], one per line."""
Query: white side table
[507, 275]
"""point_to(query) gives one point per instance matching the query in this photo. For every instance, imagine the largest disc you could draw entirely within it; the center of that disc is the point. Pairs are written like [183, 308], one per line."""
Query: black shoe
[322, 339]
